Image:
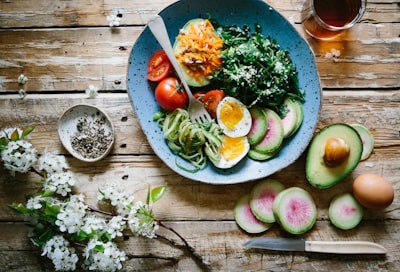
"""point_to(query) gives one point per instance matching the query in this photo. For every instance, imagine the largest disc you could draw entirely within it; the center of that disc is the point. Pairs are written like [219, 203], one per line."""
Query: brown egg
[373, 191]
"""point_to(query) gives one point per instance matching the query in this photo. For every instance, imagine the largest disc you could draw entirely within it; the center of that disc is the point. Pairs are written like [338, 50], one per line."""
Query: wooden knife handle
[345, 247]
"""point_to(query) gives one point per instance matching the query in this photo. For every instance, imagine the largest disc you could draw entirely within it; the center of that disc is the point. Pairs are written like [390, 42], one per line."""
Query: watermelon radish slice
[262, 197]
[367, 140]
[290, 120]
[246, 219]
[259, 125]
[257, 156]
[273, 139]
[299, 116]
[295, 210]
[345, 212]
[293, 118]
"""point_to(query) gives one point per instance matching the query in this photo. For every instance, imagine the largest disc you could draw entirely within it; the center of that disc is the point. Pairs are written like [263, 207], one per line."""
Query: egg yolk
[232, 147]
[231, 114]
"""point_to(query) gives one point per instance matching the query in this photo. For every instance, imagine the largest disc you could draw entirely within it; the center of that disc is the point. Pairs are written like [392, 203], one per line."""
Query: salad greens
[255, 69]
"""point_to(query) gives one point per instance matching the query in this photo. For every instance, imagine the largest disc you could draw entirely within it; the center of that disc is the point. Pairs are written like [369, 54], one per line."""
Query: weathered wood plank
[219, 245]
[25, 13]
[191, 200]
[57, 60]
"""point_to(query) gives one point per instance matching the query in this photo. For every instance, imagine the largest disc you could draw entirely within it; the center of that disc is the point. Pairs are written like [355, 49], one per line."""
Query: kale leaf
[254, 68]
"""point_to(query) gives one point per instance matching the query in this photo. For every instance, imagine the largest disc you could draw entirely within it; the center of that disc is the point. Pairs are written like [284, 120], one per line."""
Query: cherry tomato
[211, 100]
[170, 95]
[159, 66]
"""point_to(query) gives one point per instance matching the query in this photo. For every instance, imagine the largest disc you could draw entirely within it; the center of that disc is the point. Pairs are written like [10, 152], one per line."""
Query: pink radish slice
[263, 195]
[345, 212]
[290, 120]
[259, 125]
[245, 218]
[295, 210]
[274, 137]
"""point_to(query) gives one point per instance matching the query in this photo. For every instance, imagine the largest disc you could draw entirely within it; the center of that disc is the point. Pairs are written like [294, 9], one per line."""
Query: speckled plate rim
[69, 116]
[227, 12]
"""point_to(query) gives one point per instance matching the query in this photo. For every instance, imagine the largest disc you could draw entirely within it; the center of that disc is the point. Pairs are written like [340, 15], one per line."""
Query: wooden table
[64, 46]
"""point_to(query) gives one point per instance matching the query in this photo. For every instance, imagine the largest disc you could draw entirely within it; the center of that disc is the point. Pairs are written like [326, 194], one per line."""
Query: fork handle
[157, 27]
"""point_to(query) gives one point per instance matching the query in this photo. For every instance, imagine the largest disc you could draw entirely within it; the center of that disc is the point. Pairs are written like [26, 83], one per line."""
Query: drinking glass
[325, 19]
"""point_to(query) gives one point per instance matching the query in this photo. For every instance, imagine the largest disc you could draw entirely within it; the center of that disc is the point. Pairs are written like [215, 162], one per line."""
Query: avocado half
[191, 81]
[323, 176]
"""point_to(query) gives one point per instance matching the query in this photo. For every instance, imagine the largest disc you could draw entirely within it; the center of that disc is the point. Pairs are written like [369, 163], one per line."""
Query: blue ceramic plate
[227, 12]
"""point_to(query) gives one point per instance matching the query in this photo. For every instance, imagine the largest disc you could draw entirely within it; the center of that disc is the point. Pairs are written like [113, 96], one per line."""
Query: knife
[337, 247]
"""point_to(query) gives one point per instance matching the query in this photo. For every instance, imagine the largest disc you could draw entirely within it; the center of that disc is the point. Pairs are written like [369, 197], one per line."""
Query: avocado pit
[336, 151]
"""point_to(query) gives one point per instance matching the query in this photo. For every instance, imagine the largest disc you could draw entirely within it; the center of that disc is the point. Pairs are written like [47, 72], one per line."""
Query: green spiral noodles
[193, 142]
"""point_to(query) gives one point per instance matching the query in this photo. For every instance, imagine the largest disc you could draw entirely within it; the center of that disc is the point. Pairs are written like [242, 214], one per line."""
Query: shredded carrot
[199, 50]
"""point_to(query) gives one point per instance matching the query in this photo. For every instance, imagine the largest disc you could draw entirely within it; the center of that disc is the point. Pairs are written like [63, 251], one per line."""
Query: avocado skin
[318, 173]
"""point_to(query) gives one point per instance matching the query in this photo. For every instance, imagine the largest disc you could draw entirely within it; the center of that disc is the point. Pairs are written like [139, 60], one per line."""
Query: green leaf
[27, 131]
[47, 193]
[107, 236]
[20, 208]
[99, 248]
[3, 142]
[83, 235]
[148, 195]
[51, 210]
[14, 135]
[157, 193]
[46, 235]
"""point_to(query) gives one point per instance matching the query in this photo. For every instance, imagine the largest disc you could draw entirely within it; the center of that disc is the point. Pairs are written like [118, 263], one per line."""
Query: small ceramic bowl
[86, 132]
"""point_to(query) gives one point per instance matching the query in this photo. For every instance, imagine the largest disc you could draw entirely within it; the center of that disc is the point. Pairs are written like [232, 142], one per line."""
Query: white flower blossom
[34, 203]
[63, 256]
[93, 223]
[118, 197]
[59, 183]
[113, 20]
[19, 156]
[115, 226]
[52, 163]
[22, 79]
[102, 256]
[71, 214]
[92, 91]
[140, 222]
[22, 93]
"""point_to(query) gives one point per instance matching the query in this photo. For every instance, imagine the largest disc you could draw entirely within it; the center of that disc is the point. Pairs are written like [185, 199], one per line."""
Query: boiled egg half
[232, 151]
[233, 117]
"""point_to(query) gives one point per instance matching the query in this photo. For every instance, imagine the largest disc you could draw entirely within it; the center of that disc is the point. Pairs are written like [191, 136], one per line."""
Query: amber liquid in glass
[335, 14]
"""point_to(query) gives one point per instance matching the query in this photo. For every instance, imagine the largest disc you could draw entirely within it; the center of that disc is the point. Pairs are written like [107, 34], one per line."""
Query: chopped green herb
[255, 69]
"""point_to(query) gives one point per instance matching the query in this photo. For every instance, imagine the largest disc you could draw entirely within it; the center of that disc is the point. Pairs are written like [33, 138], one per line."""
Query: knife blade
[336, 247]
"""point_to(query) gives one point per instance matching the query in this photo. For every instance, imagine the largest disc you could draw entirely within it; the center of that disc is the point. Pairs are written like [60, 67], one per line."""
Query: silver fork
[197, 112]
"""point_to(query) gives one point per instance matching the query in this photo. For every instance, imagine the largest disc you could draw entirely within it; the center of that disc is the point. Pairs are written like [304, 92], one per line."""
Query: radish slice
[246, 219]
[367, 140]
[263, 195]
[345, 212]
[295, 210]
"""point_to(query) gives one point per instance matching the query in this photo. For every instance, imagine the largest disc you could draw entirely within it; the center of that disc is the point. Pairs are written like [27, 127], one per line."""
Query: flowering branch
[62, 224]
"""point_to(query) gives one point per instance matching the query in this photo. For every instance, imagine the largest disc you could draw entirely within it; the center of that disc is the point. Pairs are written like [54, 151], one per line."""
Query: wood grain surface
[64, 46]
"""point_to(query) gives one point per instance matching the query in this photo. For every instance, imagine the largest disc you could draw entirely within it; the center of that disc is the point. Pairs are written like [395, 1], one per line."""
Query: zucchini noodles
[191, 141]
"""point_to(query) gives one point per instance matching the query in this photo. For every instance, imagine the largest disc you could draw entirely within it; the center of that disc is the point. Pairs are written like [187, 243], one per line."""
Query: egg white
[242, 126]
[224, 162]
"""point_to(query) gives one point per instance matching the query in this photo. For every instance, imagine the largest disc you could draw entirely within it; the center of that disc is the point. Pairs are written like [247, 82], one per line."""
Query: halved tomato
[159, 66]
[211, 100]
[199, 95]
